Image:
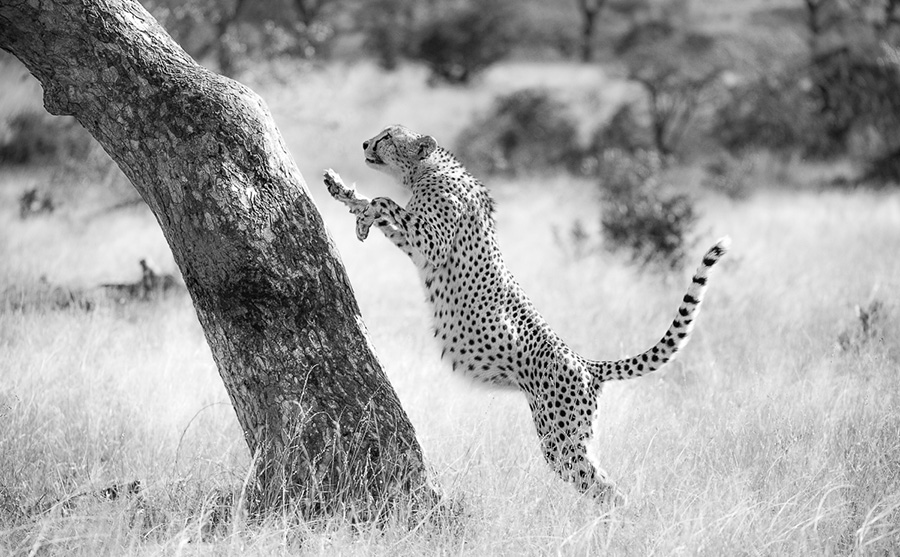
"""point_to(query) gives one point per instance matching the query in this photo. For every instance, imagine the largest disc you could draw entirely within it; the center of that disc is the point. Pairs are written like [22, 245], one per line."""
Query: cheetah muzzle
[489, 329]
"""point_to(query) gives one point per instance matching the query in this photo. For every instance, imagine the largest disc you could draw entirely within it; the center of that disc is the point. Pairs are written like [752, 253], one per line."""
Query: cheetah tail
[679, 332]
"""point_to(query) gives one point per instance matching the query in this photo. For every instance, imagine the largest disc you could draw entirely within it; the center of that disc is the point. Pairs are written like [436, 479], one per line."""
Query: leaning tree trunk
[323, 423]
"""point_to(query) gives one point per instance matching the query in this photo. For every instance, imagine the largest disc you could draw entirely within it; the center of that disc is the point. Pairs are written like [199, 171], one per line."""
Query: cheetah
[489, 329]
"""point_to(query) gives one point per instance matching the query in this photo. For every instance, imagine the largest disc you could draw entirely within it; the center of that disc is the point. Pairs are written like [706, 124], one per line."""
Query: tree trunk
[318, 414]
[813, 23]
[589, 11]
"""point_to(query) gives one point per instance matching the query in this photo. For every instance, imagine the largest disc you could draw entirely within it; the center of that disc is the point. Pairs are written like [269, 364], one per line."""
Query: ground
[765, 437]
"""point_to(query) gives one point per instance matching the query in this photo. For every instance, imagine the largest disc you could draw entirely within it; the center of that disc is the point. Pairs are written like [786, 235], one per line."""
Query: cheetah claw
[346, 195]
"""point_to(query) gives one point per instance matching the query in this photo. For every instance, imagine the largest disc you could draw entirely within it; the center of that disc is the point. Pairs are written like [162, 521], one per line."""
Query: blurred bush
[236, 35]
[461, 43]
[390, 31]
[728, 175]
[776, 113]
[858, 89]
[523, 132]
[624, 131]
[840, 99]
[868, 327]
[33, 202]
[36, 137]
[75, 161]
[446, 31]
[41, 295]
[884, 169]
[679, 69]
[639, 216]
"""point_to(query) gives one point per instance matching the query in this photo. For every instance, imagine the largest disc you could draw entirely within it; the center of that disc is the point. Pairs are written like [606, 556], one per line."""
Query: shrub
[842, 94]
[776, 113]
[679, 71]
[575, 242]
[458, 45]
[728, 176]
[638, 216]
[868, 327]
[526, 131]
[38, 136]
[857, 86]
[389, 28]
[624, 132]
[884, 169]
[32, 203]
[43, 296]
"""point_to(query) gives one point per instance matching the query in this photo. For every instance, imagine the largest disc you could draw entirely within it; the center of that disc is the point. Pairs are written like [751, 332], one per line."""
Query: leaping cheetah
[488, 327]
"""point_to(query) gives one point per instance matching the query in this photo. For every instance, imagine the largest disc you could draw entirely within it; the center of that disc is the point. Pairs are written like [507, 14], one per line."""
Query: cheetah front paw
[364, 220]
[346, 195]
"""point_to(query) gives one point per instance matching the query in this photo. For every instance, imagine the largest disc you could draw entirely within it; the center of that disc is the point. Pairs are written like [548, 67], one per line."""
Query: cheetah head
[397, 150]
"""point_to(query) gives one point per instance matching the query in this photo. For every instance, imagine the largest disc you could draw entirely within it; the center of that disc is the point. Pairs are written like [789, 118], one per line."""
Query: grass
[764, 438]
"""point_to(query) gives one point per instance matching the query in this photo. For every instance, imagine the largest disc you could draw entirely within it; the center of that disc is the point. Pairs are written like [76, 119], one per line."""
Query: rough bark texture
[323, 423]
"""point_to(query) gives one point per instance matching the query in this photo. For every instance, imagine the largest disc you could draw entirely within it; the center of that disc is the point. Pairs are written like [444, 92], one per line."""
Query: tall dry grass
[764, 438]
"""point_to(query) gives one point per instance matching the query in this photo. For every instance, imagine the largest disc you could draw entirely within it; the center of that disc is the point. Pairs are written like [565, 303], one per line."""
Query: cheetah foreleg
[386, 214]
[414, 234]
[345, 194]
[358, 205]
[406, 229]
[367, 211]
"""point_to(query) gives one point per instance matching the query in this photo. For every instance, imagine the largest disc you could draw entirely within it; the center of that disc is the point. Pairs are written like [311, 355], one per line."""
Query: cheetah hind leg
[566, 451]
[588, 476]
[603, 490]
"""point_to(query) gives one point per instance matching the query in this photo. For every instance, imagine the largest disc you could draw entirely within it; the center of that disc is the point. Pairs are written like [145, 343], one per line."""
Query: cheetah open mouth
[374, 159]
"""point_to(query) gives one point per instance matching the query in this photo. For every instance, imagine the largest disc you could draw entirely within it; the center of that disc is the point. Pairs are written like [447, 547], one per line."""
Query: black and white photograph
[413, 278]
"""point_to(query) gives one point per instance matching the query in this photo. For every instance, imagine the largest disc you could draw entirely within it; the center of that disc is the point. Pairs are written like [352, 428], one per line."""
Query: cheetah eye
[379, 140]
[376, 158]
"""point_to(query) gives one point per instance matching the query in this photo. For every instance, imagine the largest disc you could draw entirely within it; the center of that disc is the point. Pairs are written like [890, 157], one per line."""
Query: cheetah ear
[427, 145]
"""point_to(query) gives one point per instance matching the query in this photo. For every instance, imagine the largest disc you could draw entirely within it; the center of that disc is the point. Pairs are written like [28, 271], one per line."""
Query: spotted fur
[489, 329]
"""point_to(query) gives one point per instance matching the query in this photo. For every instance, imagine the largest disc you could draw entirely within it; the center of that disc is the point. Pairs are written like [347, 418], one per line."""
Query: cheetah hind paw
[608, 496]
[346, 195]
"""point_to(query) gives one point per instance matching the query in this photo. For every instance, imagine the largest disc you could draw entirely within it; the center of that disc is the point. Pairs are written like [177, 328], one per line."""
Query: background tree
[523, 132]
[814, 22]
[320, 418]
[589, 10]
[311, 12]
[226, 33]
[677, 70]
[389, 30]
[460, 41]
[854, 69]
[203, 27]
[314, 27]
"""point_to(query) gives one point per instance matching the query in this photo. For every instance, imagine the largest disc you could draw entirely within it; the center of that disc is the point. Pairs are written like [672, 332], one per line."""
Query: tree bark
[318, 414]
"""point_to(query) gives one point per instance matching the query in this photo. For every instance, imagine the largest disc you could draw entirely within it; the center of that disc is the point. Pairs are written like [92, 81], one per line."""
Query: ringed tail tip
[724, 244]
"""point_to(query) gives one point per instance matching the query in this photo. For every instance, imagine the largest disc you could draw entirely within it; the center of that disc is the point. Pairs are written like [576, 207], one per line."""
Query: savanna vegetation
[774, 433]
